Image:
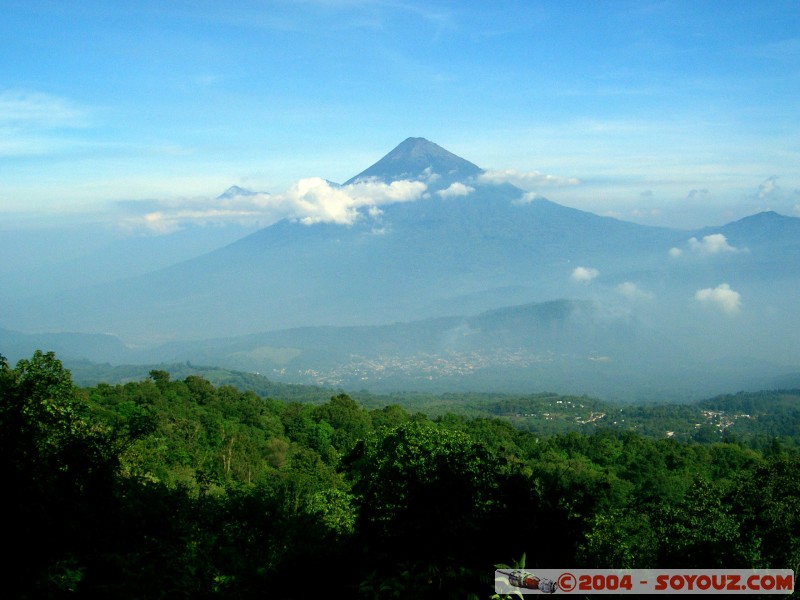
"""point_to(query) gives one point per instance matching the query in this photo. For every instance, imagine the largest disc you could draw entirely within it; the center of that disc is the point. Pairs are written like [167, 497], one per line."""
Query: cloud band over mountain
[525, 179]
[309, 201]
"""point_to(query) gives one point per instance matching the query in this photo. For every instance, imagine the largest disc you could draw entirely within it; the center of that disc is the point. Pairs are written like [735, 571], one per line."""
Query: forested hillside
[170, 487]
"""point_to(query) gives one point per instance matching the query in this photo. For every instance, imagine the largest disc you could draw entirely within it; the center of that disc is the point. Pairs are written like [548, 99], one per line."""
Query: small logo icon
[523, 579]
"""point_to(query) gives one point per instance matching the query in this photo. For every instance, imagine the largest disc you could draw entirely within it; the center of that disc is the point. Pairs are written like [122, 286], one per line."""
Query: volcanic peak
[419, 159]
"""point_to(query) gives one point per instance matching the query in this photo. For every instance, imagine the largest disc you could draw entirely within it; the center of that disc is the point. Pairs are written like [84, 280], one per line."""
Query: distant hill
[564, 346]
[95, 347]
[572, 347]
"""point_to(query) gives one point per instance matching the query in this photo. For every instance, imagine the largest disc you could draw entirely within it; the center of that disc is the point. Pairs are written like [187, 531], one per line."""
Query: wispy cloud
[525, 179]
[31, 123]
[163, 222]
[768, 188]
[527, 198]
[722, 297]
[308, 201]
[633, 292]
[25, 109]
[770, 195]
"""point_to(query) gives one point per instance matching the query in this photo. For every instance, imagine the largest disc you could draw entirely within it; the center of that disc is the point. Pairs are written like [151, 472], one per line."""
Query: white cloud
[584, 274]
[527, 198]
[633, 292]
[525, 179]
[309, 201]
[715, 243]
[456, 190]
[768, 188]
[710, 245]
[721, 296]
[771, 196]
[315, 200]
[429, 176]
[173, 216]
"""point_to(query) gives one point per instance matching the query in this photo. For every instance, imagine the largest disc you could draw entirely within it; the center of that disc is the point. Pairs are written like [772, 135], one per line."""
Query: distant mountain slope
[763, 228]
[576, 327]
[563, 346]
[92, 255]
[95, 347]
[436, 256]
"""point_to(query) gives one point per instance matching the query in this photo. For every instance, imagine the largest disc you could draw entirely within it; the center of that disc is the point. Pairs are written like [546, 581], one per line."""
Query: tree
[620, 539]
[349, 421]
[766, 499]
[58, 475]
[426, 498]
[700, 531]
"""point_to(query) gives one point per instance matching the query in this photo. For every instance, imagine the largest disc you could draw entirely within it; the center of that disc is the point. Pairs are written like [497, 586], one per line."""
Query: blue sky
[670, 113]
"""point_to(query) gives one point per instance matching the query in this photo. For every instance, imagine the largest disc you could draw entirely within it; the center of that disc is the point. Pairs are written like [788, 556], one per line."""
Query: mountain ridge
[564, 345]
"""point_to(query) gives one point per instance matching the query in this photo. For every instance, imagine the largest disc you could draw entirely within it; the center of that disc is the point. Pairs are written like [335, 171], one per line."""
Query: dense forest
[181, 488]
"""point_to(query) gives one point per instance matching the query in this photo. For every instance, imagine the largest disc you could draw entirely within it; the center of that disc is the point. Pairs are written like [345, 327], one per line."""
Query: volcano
[419, 159]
